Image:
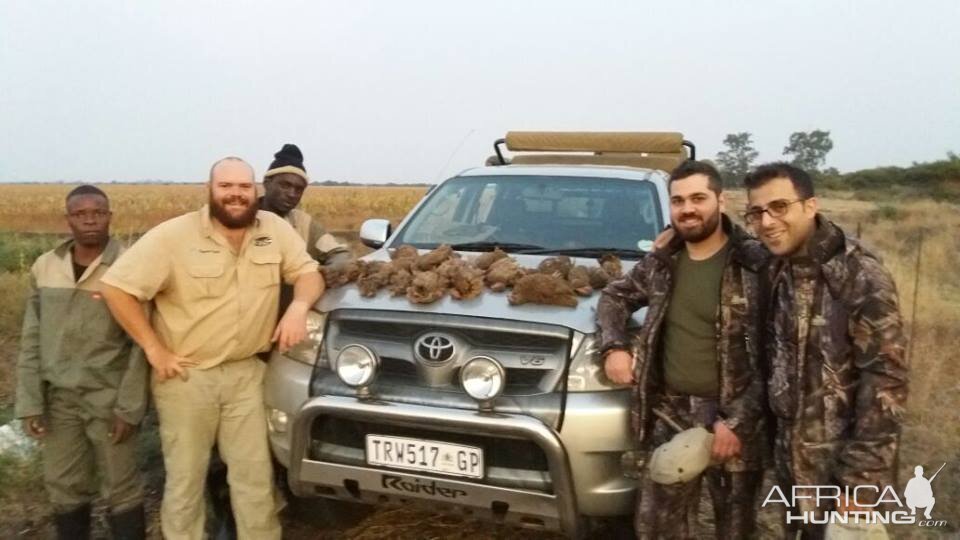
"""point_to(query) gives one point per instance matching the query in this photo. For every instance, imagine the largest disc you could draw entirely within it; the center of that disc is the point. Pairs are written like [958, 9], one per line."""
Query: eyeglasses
[87, 214]
[776, 209]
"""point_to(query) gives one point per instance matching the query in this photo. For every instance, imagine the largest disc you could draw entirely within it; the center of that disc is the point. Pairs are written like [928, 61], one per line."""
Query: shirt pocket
[265, 269]
[95, 318]
[207, 280]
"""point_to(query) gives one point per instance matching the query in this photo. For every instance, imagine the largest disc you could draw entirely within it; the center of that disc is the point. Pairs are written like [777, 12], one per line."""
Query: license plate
[421, 455]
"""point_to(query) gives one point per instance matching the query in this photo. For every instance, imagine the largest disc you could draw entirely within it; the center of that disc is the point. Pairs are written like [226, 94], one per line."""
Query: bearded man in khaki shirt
[214, 279]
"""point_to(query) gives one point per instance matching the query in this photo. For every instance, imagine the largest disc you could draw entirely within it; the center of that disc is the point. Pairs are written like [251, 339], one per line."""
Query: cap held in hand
[683, 458]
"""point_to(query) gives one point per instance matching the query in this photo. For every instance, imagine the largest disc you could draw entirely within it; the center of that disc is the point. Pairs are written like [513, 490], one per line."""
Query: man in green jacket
[81, 381]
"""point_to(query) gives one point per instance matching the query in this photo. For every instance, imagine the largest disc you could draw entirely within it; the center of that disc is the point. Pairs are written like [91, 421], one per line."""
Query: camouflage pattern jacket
[741, 399]
[838, 375]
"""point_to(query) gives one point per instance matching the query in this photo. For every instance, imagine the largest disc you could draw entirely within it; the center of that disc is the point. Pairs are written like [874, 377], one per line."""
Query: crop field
[919, 242]
[38, 208]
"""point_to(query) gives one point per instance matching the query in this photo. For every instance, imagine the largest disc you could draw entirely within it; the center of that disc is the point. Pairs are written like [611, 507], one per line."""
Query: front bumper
[285, 388]
[555, 509]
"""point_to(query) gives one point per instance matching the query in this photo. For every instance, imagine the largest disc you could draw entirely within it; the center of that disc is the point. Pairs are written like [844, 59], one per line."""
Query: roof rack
[649, 150]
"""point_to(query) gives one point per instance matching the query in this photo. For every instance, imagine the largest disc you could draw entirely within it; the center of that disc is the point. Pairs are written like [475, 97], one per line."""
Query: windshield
[536, 214]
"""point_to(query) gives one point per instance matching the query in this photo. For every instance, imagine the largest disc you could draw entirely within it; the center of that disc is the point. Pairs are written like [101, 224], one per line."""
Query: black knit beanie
[289, 159]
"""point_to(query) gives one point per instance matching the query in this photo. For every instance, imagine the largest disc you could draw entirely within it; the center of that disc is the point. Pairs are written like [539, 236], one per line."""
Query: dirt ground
[28, 517]
[302, 519]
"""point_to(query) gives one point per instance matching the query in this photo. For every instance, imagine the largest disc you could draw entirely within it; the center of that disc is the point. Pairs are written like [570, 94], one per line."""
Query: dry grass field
[137, 207]
[929, 294]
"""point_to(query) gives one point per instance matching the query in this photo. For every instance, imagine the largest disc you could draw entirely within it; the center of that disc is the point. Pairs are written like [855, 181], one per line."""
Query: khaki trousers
[223, 404]
[77, 443]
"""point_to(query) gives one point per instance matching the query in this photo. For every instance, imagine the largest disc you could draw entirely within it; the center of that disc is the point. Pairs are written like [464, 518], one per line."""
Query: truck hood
[490, 304]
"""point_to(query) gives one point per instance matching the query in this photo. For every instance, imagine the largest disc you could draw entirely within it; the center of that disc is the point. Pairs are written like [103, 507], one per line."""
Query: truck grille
[534, 355]
[480, 337]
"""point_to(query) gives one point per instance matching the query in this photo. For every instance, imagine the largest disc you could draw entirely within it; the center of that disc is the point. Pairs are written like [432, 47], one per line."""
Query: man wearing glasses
[837, 375]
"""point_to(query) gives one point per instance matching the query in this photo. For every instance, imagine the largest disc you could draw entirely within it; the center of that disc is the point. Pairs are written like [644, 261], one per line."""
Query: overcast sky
[416, 91]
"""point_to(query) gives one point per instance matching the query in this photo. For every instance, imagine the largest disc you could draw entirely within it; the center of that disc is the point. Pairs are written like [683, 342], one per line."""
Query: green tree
[735, 161]
[809, 149]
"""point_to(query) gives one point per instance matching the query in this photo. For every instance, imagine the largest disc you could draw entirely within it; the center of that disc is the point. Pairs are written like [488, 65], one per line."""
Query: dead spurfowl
[502, 274]
[433, 259]
[426, 287]
[545, 289]
[465, 280]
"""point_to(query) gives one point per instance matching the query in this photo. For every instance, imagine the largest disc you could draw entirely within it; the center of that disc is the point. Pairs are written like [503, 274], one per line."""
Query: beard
[701, 232]
[219, 211]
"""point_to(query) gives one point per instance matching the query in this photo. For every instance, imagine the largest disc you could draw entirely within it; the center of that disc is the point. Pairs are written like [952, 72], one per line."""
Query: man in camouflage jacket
[837, 374]
[729, 327]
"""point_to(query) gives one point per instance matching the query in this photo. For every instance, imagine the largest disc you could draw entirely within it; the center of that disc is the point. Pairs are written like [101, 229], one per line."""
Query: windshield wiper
[588, 252]
[490, 246]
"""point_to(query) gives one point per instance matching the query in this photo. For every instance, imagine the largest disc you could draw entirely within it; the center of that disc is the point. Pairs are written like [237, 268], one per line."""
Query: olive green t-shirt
[690, 326]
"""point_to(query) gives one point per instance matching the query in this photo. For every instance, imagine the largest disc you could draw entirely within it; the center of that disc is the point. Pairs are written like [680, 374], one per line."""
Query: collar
[822, 261]
[827, 241]
[206, 222]
[107, 257]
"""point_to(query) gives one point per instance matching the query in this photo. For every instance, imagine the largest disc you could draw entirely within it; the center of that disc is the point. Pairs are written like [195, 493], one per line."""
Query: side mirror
[374, 232]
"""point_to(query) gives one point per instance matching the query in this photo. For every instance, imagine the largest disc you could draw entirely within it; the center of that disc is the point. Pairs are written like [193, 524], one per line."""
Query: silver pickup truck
[480, 407]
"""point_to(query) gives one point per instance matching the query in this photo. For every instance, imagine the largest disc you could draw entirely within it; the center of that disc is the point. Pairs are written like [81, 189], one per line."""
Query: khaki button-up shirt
[212, 304]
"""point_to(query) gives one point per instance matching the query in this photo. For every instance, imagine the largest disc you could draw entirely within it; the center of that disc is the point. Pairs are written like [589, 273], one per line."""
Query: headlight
[307, 350]
[356, 365]
[586, 369]
[483, 378]
[277, 421]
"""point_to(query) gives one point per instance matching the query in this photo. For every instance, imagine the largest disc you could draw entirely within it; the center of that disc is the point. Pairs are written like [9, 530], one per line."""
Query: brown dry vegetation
[39, 208]
[893, 230]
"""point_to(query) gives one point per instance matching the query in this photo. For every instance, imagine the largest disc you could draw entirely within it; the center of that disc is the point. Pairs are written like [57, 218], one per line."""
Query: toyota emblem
[434, 348]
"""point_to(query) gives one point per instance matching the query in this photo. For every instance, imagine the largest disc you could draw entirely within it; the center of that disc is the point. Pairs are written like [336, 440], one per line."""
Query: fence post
[916, 289]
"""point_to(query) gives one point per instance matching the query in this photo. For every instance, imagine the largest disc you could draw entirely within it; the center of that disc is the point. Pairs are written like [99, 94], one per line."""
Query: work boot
[128, 525]
[73, 525]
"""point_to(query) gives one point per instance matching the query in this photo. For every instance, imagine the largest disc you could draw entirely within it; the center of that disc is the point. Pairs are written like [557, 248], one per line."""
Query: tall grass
[931, 435]
[19, 250]
[13, 293]
[38, 208]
